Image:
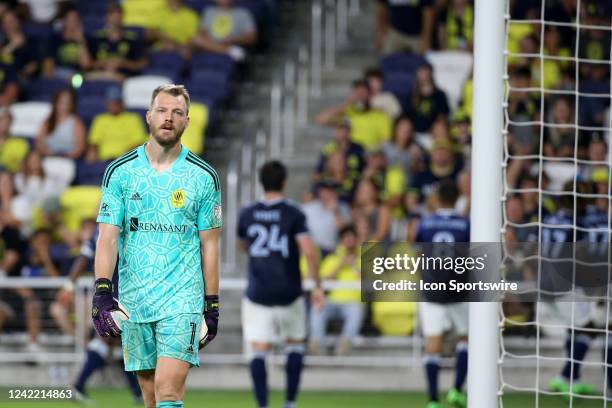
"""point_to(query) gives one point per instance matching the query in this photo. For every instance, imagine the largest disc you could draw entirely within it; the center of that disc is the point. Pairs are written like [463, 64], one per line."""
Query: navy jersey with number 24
[269, 229]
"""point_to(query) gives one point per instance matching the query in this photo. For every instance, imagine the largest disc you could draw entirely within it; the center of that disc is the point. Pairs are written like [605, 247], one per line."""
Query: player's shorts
[175, 337]
[436, 318]
[270, 324]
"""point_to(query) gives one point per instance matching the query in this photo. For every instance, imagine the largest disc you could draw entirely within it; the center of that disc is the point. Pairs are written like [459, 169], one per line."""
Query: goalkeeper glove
[210, 321]
[102, 305]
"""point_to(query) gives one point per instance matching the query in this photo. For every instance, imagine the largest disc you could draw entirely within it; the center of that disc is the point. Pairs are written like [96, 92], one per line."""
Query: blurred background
[367, 102]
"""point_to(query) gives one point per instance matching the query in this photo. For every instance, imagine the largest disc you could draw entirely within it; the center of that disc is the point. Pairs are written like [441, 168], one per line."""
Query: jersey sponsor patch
[104, 210]
[178, 198]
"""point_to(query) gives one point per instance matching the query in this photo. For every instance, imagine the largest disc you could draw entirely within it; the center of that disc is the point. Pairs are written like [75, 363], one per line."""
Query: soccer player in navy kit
[442, 309]
[596, 226]
[557, 232]
[273, 232]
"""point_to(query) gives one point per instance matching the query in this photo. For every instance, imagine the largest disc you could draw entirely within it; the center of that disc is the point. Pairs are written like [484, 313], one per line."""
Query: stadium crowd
[398, 134]
[72, 70]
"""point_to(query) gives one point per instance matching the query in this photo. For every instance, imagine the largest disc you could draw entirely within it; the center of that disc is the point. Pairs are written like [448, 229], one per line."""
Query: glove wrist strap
[103, 285]
[211, 303]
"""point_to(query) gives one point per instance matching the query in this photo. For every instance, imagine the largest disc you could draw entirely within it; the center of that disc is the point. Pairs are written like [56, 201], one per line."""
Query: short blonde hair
[174, 90]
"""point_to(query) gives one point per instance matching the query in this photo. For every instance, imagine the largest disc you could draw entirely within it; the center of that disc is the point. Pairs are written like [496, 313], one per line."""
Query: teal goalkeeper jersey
[159, 216]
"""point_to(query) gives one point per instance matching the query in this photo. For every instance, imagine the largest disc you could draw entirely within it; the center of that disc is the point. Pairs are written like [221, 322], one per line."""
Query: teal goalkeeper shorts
[175, 337]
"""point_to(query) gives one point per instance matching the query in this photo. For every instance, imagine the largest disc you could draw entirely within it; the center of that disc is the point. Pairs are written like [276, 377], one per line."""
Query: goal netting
[557, 174]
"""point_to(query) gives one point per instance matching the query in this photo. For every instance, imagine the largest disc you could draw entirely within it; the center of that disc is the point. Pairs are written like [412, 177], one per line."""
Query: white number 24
[267, 241]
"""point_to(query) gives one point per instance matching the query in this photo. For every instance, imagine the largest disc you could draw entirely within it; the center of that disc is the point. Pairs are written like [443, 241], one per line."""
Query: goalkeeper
[160, 217]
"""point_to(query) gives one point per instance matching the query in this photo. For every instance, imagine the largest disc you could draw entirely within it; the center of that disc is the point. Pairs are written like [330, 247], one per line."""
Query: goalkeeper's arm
[209, 250]
[106, 251]
[103, 303]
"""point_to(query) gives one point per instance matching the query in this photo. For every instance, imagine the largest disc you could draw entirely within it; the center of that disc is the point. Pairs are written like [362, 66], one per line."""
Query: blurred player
[441, 308]
[596, 224]
[98, 349]
[555, 280]
[273, 231]
[161, 212]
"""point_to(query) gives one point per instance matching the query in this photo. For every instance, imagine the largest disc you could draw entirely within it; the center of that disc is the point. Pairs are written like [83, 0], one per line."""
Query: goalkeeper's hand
[211, 319]
[102, 305]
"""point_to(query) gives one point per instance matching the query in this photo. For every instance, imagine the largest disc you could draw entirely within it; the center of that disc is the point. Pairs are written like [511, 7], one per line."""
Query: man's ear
[147, 117]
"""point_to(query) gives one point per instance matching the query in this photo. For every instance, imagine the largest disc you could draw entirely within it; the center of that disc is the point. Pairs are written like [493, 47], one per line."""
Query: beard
[167, 139]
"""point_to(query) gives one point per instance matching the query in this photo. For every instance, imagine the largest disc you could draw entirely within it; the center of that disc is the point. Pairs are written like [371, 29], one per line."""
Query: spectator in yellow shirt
[369, 127]
[343, 266]
[177, 27]
[116, 131]
[12, 149]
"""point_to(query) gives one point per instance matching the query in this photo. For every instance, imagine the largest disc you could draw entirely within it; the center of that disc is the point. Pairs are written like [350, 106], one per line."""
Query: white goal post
[485, 216]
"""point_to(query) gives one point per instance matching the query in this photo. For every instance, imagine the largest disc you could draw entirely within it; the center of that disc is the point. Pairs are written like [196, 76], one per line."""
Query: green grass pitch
[119, 398]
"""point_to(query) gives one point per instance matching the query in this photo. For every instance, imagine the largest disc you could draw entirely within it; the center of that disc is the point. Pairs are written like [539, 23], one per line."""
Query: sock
[97, 351]
[293, 368]
[132, 381]
[169, 404]
[259, 376]
[462, 364]
[432, 366]
[581, 346]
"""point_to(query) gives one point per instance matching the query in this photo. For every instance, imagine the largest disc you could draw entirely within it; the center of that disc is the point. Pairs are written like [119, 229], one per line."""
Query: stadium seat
[79, 203]
[37, 33]
[451, 70]
[212, 61]
[89, 106]
[89, 173]
[595, 87]
[592, 106]
[95, 87]
[28, 117]
[43, 89]
[195, 133]
[137, 90]
[400, 84]
[93, 7]
[60, 168]
[402, 62]
[165, 63]
[213, 85]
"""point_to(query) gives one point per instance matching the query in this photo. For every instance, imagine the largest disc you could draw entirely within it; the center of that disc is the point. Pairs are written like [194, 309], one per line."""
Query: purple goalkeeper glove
[102, 306]
[211, 318]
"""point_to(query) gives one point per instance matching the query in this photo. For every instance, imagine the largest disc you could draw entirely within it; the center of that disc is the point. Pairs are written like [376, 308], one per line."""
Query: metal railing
[411, 346]
[73, 352]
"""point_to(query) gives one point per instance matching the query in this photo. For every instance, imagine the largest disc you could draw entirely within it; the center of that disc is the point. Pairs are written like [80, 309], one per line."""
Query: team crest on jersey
[178, 198]
[217, 211]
